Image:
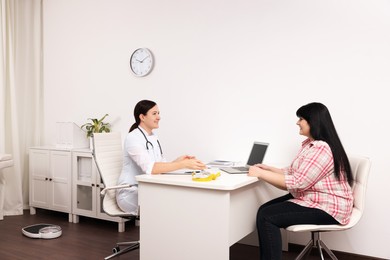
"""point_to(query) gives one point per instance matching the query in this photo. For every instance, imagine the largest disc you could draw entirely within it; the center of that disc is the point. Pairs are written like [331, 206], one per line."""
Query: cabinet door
[84, 184]
[60, 180]
[39, 178]
[86, 187]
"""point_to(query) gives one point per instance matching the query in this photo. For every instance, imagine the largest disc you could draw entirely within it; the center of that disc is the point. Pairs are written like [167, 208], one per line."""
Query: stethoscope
[149, 143]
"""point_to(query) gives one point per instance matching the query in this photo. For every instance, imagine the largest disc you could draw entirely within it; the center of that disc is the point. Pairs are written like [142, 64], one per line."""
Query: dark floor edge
[343, 255]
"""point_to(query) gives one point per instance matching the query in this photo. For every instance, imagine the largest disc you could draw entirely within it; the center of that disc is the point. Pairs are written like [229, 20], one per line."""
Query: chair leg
[317, 242]
[126, 243]
[316, 238]
[306, 250]
[130, 246]
[327, 250]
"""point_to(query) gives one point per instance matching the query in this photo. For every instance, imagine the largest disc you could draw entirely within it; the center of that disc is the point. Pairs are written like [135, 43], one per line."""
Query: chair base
[130, 246]
[319, 244]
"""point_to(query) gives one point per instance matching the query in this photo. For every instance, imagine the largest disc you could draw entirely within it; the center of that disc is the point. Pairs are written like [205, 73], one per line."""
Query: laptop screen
[258, 153]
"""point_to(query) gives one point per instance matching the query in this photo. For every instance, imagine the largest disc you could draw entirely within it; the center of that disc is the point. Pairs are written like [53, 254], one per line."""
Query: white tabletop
[224, 182]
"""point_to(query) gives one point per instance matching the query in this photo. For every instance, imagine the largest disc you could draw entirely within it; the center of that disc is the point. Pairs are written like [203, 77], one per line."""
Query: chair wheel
[116, 249]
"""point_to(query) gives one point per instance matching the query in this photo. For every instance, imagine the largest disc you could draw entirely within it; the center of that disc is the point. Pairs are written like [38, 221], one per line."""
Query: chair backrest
[360, 169]
[108, 155]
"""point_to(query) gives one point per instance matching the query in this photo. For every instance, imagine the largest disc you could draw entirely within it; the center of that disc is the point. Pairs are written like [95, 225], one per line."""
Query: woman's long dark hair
[322, 128]
[141, 108]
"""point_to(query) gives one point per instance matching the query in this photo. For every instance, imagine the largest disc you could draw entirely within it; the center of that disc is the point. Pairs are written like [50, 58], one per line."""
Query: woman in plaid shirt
[318, 180]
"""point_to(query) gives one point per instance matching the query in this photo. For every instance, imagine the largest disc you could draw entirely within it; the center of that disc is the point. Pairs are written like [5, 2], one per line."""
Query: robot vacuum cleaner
[45, 231]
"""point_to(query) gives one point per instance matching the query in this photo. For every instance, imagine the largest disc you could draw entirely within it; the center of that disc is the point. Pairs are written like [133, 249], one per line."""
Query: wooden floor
[90, 239]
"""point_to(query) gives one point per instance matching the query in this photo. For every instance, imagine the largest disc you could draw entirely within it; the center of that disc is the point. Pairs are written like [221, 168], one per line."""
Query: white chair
[5, 162]
[360, 171]
[108, 155]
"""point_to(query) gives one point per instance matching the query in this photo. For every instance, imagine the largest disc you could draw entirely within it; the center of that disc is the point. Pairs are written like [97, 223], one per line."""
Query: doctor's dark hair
[322, 128]
[141, 108]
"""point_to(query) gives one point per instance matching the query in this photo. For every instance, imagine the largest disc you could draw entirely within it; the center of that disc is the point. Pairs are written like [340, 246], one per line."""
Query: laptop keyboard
[241, 168]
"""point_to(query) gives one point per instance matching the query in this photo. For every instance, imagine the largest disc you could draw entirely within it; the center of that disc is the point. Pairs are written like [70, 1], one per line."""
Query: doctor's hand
[190, 162]
[181, 158]
[193, 164]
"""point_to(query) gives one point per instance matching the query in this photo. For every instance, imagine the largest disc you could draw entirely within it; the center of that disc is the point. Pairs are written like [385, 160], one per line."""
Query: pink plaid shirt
[311, 180]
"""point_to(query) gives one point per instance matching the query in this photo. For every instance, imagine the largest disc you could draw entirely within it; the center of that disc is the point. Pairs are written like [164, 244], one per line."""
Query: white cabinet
[86, 189]
[50, 180]
[67, 181]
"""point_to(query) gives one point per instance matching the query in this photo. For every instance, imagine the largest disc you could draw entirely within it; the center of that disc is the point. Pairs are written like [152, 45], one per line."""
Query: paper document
[219, 163]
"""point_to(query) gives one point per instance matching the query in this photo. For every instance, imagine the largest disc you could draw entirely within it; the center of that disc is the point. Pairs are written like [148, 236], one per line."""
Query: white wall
[228, 73]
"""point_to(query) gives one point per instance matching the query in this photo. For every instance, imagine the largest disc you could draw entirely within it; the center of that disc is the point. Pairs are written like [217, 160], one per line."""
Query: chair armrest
[103, 192]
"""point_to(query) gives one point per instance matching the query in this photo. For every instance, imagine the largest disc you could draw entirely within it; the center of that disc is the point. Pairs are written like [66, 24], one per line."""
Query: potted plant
[96, 126]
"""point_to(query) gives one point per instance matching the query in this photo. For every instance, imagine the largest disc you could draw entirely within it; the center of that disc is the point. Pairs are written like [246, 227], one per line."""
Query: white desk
[184, 219]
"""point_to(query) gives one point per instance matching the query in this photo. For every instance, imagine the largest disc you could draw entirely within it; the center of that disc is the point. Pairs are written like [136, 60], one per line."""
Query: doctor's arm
[141, 157]
[186, 161]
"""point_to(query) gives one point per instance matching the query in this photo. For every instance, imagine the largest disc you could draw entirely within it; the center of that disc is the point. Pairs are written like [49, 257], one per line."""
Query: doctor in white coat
[143, 154]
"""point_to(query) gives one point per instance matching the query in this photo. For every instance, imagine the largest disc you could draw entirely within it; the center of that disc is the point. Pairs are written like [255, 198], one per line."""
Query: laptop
[256, 156]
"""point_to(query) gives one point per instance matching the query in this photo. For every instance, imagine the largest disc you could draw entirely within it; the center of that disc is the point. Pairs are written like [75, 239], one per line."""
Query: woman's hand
[255, 171]
[263, 166]
[190, 162]
[182, 162]
[181, 158]
[269, 174]
[194, 164]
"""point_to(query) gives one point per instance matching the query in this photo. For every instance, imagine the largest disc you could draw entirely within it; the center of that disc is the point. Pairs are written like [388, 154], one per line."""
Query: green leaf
[96, 126]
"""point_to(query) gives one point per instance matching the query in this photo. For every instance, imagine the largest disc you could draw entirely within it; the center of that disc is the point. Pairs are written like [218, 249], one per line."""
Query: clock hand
[144, 59]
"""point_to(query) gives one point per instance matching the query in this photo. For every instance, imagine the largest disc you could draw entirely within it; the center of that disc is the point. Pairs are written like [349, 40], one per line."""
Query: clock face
[141, 62]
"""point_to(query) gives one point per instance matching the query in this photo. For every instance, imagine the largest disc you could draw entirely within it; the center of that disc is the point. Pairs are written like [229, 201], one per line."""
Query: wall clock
[141, 62]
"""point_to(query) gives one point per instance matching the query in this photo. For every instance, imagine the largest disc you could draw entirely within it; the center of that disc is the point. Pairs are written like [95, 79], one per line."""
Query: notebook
[256, 155]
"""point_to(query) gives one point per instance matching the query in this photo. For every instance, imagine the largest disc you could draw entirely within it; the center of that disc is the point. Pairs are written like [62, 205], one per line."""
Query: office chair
[360, 171]
[108, 155]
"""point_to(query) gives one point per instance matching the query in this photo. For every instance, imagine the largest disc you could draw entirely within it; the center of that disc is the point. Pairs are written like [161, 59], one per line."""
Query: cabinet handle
[50, 179]
[46, 179]
[97, 185]
[93, 185]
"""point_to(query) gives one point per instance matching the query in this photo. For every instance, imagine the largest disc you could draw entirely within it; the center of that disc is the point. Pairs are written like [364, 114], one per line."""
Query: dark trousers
[280, 213]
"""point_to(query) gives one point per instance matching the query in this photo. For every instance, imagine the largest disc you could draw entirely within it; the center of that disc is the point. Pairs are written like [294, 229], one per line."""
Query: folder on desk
[220, 163]
[182, 172]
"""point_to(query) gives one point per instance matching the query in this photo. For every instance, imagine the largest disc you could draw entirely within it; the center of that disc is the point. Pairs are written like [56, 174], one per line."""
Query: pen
[196, 171]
